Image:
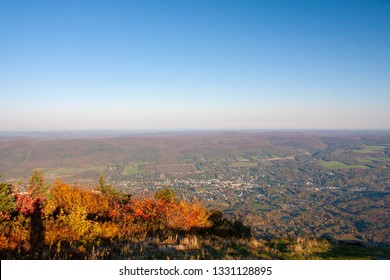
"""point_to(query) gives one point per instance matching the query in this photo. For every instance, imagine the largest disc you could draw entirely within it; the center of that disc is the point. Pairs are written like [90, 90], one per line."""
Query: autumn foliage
[61, 215]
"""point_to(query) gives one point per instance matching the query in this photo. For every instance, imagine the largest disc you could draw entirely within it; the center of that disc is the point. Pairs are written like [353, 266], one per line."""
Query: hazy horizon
[194, 65]
[79, 134]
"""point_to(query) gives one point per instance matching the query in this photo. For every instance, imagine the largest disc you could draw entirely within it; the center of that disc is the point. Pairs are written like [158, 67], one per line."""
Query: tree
[37, 187]
[36, 195]
[166, 194]
[108, 189]
[7, 199]
[103, 187]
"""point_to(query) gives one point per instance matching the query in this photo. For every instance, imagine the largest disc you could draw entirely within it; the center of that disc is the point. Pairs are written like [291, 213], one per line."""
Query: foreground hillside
[60, 221]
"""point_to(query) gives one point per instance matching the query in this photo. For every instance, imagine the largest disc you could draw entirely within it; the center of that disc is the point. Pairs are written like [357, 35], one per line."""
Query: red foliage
[149, 209]
[26, 204]
[66, 213]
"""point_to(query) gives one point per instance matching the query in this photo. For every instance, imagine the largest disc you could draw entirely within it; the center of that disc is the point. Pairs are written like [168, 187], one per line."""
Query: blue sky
[172, 65]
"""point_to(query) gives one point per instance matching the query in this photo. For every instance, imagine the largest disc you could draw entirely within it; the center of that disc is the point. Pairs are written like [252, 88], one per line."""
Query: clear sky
[172, 65]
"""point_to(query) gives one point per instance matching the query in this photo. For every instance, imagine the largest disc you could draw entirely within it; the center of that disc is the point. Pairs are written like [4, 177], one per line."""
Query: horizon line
[146, 131]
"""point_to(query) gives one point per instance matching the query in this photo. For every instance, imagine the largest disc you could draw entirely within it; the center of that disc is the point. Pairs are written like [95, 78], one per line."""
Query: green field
[242, 159]
[242, 164]
[371, 149]
[273, 156]
[131, 169]
[365, 160]
[69, 171]
[340, 165]
[372, 159]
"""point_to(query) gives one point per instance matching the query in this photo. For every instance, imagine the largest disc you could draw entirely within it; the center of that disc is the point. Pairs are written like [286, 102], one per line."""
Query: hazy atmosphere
[195, 130]
[168, 65]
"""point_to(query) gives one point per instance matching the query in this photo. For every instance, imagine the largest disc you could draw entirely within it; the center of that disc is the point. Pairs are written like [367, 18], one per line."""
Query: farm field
[340, 165]
[132, 169]
[372, 149]
[243, 164]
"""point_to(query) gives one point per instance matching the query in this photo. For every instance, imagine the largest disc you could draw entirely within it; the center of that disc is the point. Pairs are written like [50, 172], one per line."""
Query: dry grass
[190, 242]
[306, 247]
